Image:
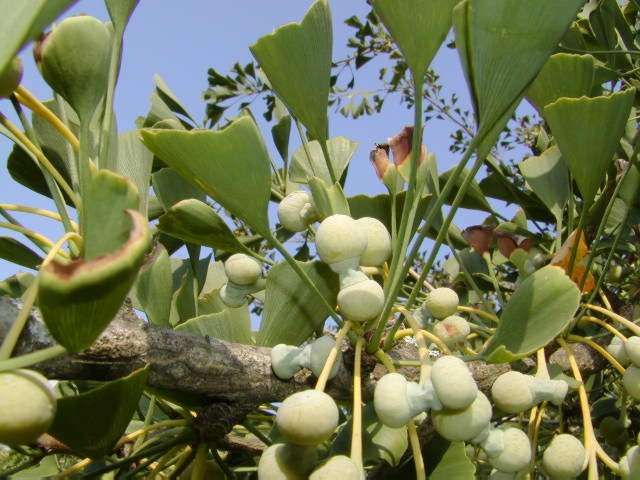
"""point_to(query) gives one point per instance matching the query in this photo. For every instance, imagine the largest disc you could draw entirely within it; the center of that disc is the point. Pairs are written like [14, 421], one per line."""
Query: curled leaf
[79, 299]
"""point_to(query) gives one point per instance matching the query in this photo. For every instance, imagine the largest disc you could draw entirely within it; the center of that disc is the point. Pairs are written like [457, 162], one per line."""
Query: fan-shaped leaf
[297, 61]
[79, 299]
[454, 464]
[548, 177]
[588, 131]
[231, 325]
[541, 307]
[563, 75]
[341, 149]
[92, 422]
[105, 202]
[292, 310]
[418, 27]
[154, 287]
[502, 45]
[231, 165]
[196, 222]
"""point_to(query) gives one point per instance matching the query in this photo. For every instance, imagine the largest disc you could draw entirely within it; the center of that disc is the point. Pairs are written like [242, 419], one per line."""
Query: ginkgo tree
[505, 350]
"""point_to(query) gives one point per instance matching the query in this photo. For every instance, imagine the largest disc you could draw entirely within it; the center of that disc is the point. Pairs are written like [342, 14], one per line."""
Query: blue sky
[181, 40]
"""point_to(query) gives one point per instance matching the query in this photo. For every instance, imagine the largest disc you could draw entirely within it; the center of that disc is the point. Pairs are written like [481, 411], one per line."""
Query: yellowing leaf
[563, 257]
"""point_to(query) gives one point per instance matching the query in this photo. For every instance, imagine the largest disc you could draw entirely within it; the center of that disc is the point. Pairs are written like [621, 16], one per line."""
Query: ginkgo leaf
[564, 75]
[297, 61]
[418, 27]
[231, 165]
[563, 257]
[79, 299]
[588, 132]
[503, 44]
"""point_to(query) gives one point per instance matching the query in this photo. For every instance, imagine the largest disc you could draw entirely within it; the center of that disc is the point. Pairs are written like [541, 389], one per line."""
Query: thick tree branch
[214, 370]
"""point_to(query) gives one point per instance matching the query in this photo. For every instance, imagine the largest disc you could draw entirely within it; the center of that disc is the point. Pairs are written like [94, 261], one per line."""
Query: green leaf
[15, 285]
[134, 161]
[630, 187]
[79, 299]
[52, 143]
[502, 45]
[474, 198]
[169, 98]
[92, 422]
[280, 133]
[216, 277]
[379, 441]
[548, 177]
[196, 222]
[341, 150]
[48, 467]
[26, 171]
[588, 132]
[454, 464]
[472, 262]
[418, 27]
[231, 165]
[24, 21]
[292, 310]
[171, 188]
[380, 207]
[106, 200]
[563, 75]
[328, 199]
[154, 287]
[496, 185]
[297, 61]
[541, 307]
[120, 12]
[15, 252]
[231, 325]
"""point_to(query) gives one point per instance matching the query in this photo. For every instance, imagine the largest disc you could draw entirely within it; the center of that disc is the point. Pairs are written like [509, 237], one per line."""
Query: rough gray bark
[216, 370]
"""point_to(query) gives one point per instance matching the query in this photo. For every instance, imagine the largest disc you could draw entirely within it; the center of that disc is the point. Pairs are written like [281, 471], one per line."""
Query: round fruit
[307, 418]
[565, 457]
[498, 475]
[27, 406]
[630, 464]
[242, 270]
[340, 242]
[453, 383]
[632, 347]
[74, 61]
[361, 301]
[285, 361]
[631, 381]
[516, 454]
[442, 302]
[378, 242]
[319, 350]
[390, 401]
[452, 330]
[294, 209]
[338, 467]
[617, 349]
[282, 461]
[464, 425]
[512, 392]
[11, 77]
